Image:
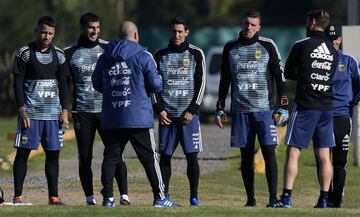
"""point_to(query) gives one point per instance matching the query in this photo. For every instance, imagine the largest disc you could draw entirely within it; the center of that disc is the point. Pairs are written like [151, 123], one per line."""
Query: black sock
[52, 172]
[287, 192]
[165, 167]
[20, 169]
[271, 169]
[324, 195]
[193, 171]
[247, 171]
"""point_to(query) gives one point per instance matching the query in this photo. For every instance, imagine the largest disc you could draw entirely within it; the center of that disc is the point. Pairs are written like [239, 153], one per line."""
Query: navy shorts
[305, 125]
[47, 132]
[189, 136]
[245, 127]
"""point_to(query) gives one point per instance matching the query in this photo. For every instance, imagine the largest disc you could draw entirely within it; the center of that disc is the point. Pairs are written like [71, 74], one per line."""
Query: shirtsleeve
[200, 81]
[19, 77]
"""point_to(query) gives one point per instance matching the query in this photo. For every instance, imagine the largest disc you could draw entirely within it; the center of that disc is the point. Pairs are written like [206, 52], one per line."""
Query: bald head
[129, 31]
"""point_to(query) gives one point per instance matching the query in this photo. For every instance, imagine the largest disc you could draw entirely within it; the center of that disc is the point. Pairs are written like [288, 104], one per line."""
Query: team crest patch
[24, 139]
[341, 67]
[258, 54]
[186, 62]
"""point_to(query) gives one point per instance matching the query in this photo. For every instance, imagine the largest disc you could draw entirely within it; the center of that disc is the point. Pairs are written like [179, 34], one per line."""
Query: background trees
[18, 20]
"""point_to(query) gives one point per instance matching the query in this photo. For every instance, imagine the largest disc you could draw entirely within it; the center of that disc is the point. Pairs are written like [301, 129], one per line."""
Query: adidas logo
[346, 139]
[322, 52]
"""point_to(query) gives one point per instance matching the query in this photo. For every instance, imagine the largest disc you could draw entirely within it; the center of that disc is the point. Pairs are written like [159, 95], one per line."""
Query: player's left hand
[64, 120]
[187, 118]
[281, 117]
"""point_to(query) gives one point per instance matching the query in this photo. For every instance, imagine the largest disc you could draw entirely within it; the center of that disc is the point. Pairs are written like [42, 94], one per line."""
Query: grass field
[221, 194]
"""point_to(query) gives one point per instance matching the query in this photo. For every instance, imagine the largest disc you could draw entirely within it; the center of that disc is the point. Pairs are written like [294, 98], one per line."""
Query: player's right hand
[163, 118]
[24, 118]
[221, 118]
[64, 120]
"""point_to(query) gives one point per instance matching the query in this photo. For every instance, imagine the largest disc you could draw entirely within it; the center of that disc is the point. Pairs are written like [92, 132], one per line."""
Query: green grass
[221, 194]
[143, 211]
[6, 126]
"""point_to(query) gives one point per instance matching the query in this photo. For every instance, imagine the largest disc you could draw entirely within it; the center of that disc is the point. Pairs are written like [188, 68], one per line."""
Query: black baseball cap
[333, 31]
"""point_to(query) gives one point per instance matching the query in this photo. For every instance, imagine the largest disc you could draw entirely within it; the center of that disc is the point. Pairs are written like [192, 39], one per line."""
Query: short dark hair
[322, 17]
[253, 14]
[88, 17]
[47, 20]
[180, 20]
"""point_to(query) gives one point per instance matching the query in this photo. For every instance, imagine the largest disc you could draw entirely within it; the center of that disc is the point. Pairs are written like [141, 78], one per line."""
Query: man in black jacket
[312, 63]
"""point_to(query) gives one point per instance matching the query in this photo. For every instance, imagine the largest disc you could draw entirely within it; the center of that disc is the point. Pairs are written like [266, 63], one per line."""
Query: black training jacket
[312, 63]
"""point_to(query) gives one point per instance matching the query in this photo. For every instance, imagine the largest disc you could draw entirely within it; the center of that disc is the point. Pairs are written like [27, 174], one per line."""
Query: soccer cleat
[322, 203]
[274, 204]
[90, 201]
[194, 201]
[250, 203]
[108, 202]
[165, 203]
[124, 199]
[285, 202]
[55, 201]
[331, 203]
[18, 200]
[334, 205]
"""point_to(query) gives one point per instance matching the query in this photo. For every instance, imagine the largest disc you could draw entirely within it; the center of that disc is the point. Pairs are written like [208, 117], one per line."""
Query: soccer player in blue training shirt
[312, 63]
[252, 65]
[41, 96]
[126, 76]
[182, 67]
[346, 88]
[82, 57]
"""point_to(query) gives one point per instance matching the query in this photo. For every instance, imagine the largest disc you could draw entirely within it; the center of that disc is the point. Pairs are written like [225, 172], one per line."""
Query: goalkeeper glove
[281, 117]
[221, 118]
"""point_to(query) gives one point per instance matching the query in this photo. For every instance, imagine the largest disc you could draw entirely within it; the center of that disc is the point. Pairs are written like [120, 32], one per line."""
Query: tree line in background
[18, 19]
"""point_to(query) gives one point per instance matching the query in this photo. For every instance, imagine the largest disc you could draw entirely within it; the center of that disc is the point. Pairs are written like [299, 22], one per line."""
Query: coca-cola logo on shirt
[321, 65]
[247, 65]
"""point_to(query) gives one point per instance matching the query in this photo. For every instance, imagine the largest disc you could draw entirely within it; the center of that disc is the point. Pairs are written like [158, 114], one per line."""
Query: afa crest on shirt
[341, 67]
[186, 62]
[257, 54]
